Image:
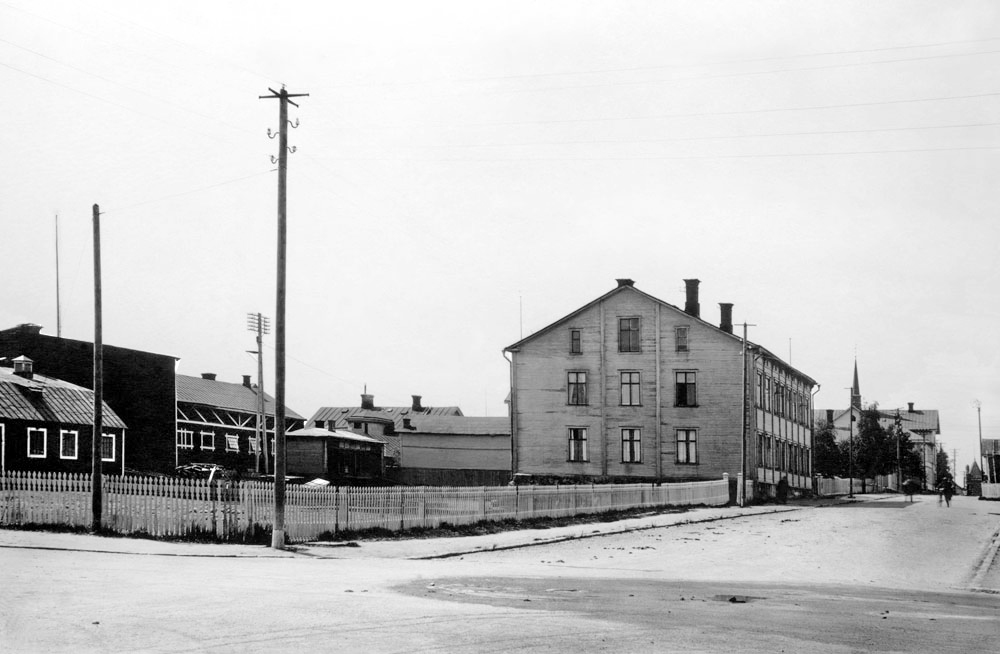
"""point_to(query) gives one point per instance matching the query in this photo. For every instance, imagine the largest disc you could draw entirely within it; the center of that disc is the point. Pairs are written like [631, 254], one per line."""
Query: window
[232, 443]
[628, 335]
[107, 447]
[68, 444]
[631, 446]
[575, 346]
[630, 389]
[577, 443]
[36, 443]
[577, 387]
[254, 444]
[185, 439]
[686, 389]
[687, 446]
[208, 440]
[681, 339]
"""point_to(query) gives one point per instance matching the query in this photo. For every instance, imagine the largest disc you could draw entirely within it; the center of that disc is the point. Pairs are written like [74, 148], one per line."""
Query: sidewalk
[404, 548]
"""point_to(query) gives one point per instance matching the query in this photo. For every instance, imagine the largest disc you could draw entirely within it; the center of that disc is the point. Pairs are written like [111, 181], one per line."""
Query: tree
[828, 460]
[942, 469]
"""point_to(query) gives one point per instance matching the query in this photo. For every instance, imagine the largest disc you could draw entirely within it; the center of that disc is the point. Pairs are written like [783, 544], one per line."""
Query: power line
[189, 192]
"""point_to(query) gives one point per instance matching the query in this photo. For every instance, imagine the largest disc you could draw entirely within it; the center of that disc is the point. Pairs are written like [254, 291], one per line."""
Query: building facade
[455, 451]
[47, 424]
[630, 388]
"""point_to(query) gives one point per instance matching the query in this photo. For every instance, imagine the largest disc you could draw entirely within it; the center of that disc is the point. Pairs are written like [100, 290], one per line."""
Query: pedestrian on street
[783, 490]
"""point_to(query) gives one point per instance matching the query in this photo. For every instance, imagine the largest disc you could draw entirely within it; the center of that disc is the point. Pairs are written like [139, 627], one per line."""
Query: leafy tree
[828, 460]
[874, 451]
[942, 469]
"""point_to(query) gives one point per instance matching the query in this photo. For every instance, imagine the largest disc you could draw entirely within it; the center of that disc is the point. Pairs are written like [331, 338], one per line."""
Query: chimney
[407, 424]
[691, 306]
[726, 321]
[367, 402]
[246, 381]
[416, 404]
[320, 424]
[210, 376]
[625, 282]
[910, 405]
[24, 367]
[829, 416]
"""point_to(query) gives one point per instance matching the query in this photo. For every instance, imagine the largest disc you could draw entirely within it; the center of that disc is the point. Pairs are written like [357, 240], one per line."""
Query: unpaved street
[870, 576]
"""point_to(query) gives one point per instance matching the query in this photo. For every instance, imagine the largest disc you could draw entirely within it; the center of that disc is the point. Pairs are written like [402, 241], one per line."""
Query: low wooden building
[47, 424]
[455, 451]
[340, 457]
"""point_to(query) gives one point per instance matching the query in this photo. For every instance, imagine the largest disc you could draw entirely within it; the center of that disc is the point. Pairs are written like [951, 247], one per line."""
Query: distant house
[217, 422]
[381, 423]
[455, 451]
[47, 425]
[632, 388]
[340, 457]
[139, 385]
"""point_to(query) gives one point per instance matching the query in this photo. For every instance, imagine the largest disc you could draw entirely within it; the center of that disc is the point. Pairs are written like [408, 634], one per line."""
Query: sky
[467, 173]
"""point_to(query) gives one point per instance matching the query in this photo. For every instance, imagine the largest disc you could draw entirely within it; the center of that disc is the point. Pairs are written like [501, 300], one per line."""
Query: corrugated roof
[459, 426]
[47, 399]
[224, 395]
[319, 432]
[342, 415]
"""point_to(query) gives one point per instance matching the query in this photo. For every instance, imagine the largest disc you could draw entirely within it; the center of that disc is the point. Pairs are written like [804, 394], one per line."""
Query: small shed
[339, 456]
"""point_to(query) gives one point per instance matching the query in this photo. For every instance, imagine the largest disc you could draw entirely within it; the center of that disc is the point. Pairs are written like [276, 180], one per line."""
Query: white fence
[844, 486]
[185, 508]
[991, 492]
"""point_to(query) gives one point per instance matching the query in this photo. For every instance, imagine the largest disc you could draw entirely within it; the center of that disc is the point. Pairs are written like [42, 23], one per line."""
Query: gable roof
[225, 395]
[343, 416]
[46, 399]
[628, 287]
[320, 432]
[459, 425]
[925, 421]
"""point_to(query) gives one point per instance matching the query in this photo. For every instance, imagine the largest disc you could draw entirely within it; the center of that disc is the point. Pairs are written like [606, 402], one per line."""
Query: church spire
[856, 388]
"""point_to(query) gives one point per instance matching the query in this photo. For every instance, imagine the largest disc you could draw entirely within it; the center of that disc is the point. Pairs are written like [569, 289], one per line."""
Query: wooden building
[47, 424]
[340, 457]
[455, 451]
[139, 385]
[217, 422]
[630, 388]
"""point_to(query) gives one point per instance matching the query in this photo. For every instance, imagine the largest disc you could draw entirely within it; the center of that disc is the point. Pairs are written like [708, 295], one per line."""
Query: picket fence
[991, 492]
[242, 511]
[842, 486]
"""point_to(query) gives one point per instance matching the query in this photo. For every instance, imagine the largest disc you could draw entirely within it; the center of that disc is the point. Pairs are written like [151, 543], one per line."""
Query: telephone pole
[95, 440]
[278, 533]
[262, 325]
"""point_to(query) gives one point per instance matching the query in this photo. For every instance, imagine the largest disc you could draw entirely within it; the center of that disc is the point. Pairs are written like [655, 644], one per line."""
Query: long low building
[455, 451]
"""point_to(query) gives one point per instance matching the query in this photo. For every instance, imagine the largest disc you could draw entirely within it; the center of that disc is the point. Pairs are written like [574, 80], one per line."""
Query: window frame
[185, 435]
[63, 433]
[690, 443]
[577, 450]
[682, 334]
[575, 341]
[634, 341]
[689, 386]
[114, 448]
[574, 383]
[228, 438]
[632, 446]
[201, 440]
[45, 442]
[634, 388]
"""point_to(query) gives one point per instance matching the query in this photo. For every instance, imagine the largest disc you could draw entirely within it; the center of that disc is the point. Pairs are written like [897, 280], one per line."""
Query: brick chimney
[367, 402]
[246, 381]
[910, 405]
[726, 320]
[625, 282]
[210, 376]
[691, 305]
[417, 408]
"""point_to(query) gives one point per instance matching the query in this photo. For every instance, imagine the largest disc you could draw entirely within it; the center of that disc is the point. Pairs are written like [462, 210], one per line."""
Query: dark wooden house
[340, 457]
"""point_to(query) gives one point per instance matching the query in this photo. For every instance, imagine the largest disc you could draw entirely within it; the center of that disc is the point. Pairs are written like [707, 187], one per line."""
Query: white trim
[45, 443]
[113, 446]
[3, 447]
[229, 439]
[201, 440]
[189, 437]
[76, 443]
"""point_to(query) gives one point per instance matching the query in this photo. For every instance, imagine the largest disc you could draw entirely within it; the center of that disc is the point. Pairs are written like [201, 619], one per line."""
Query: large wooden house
[629, 388]
[47, 424]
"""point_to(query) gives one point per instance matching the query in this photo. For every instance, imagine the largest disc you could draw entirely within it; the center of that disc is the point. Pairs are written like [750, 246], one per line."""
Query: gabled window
[68, 442]
[628, 335]
[107, 447]
[575, 343]
[208, 440]
[37, 445]
[686, 389]
[681, 339]
[185, 439]
[631, 445]
[576, 384]
[630, 389]
[687, 446]
[232, 443]
[577, 444]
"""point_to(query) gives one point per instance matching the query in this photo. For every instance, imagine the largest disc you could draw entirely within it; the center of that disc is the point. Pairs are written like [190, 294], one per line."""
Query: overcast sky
[469, 172]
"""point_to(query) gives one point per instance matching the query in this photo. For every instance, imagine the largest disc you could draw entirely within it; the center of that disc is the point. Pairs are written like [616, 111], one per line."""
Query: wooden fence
[990, 492]
[842, 486]
[241, 511]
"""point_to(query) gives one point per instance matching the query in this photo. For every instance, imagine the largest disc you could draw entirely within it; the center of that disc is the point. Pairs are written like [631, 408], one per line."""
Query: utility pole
[278, 533]
[262, 325]
[741, 493]
[850, 446]
[58, 300]
[899, 462]
[95, 445]
[979, 416]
